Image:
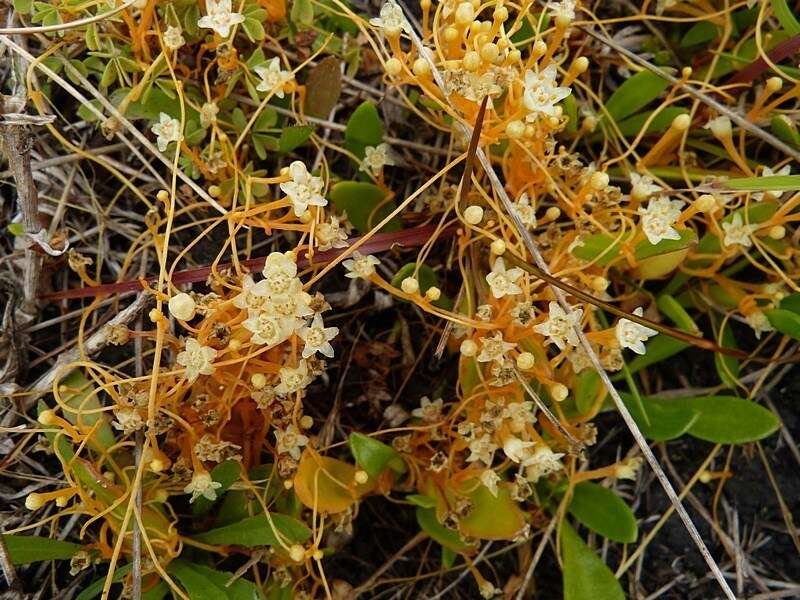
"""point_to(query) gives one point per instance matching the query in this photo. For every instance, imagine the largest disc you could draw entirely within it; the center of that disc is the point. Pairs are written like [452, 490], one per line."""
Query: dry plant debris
[332, 300]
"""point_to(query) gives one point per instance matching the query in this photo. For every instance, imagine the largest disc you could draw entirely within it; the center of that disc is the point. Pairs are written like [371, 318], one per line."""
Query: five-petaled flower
[375, 158]
[220, 17]
[317, 337]
[360, 266]
[289, 441]
[273, 79]
[542, 93]
[202, 485]
[166, 130]
[502, 281]
[391, 20]
[659, 217]
[429, 411]
[633, 335]
[198, 359]
[737, 233]
[304, 189]
[559, 327]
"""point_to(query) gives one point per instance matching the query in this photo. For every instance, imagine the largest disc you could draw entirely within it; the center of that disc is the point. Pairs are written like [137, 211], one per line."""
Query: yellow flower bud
[421, 67]
[393, 67]
[361, 477]
[705, 203]
[515, 129]
[525, 361]
[410, 285]
[433, 293]
[258, 380]
[465, 14]
[498, 247]
[473, 214]
[182, 306]
[297, 553]
[469, 348]
[471, 61]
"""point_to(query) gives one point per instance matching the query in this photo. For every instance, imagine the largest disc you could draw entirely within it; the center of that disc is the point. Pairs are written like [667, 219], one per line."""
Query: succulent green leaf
[374, 456]
[359, 200]
[25, 549]
[585, 576]
[604, 512]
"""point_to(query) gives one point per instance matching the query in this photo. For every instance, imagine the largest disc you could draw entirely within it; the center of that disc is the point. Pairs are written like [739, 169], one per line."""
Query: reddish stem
[379, 242]
[783, 50]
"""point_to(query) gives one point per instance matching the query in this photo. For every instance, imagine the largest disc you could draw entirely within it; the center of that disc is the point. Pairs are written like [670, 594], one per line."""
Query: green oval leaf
[359, 200]
[293, 137]
[585, 576]
[785, 321]
[632, 126]
[25, 549]
[729, 420]
[364, 128]
[374, 456]
[604, 512]
[257, 531]
[426, 517]
[492, 517]
[96, 587]
[634, 94]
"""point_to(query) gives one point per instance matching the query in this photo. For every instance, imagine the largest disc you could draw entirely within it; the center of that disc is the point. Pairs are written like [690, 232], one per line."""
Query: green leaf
[570, 107]
[791, 303]
[374, 456]
[676, 313]
[257, 531]
[599, 244]
[81, 395]
[253, 30]
[225, 474]
[785, 17]
[701, 32]
[96, 587]
[196, 584]
[727, 366]
[421, 500]
[783, 183]
[632, 126]
[25, 549]
[668, 420]
[239, 589]
[293, 137]
[785, 321]
[585, 576]
[729, 420]
[785, 129]
[587, 390]
[657, 349]
[604, 512]
[16, 229]
[634, 94]
[426, 517]
[364, 128]
[323, 88]
[359, 200]
[302, 14]
[23, 6]
[448, 557]
[492, 517]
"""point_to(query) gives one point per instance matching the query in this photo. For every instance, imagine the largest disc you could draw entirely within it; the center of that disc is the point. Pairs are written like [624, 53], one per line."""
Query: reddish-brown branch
[380, 242]
[783, 50]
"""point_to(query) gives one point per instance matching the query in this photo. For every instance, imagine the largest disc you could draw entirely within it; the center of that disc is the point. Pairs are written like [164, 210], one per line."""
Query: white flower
[428, 411]
[220, 17]
[166, 130]
[292, 307]
[482, 448]
[392, 19]
[494, 348]
[772, 194]
[502, 281]
[559, 328]
[304, 189]
[542, 93]
[564, 9]
[759, 323]
[737, 233]
[197, 359]
[273, 79]
[331, 235]
[519, 415]
[632, 335]
[490, 479]
[360, 266]
[253, 295]
[173, 38]
[526, 212]
[208, 114]
[375, 158]
[267, 329]
[293, 379]
[542, 462]
[659, 217]
[317, 337]
[290, 441]
[628, 469]
[279, 273]
[128, 420]
[642, 186]
[202, 485]
[516, 449]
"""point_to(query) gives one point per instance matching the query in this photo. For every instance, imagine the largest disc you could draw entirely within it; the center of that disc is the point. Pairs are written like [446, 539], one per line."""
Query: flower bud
[473, 214]
[469, 348]
[182, 307]
[410, 285]
[525, 361]
[498, 247]
[393, 67]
